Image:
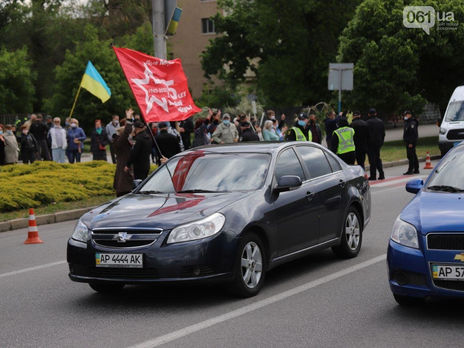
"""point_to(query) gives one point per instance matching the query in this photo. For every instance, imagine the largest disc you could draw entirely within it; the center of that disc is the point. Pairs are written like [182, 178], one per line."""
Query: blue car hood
[158, 210]
[436, 211]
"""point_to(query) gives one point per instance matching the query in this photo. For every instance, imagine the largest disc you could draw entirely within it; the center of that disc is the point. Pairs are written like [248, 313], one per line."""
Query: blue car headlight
[405, 234]
[197, 230]
[81, 232]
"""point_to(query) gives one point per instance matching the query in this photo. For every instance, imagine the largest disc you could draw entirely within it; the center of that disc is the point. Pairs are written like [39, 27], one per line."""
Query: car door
[297, 226]
[327, 185]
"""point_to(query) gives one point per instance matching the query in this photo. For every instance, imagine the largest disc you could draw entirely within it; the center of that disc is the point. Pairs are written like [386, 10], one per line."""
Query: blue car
[426, 249]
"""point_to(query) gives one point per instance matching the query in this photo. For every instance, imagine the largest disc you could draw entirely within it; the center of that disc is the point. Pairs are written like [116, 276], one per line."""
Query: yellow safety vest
[300, 135]
[345, 140]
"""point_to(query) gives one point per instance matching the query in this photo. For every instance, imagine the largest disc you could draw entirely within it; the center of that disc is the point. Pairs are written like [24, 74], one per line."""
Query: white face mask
[73, 125]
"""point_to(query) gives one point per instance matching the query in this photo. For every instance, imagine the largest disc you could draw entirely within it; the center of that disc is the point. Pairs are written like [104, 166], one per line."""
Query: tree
[397, 68]
[16, 82]
[287, 44]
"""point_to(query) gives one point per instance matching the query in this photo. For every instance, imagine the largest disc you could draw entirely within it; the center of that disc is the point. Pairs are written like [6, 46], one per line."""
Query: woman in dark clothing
[98, 142]
[122, 179]
[201, 133]
[28, 146]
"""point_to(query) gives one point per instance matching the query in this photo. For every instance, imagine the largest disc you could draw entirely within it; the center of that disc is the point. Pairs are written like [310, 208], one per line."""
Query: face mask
[67, 124]
[1, 132]
[9, 132]
[115, 123]
[273, 118]
[226, 122]
[73, 125]
[301, 123]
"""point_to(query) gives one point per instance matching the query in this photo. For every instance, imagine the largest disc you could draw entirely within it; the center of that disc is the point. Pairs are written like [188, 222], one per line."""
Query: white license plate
[449, 272]
[119, 260]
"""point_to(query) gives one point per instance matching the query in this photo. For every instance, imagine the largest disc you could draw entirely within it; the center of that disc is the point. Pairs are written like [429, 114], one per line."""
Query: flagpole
[75, 100]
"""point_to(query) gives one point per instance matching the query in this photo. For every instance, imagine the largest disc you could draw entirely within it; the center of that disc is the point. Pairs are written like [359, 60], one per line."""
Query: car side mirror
[136, 182]
[288, 183]
[414, 185]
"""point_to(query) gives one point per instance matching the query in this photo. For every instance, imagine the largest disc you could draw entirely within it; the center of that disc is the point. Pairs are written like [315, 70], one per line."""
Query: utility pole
[159, 26]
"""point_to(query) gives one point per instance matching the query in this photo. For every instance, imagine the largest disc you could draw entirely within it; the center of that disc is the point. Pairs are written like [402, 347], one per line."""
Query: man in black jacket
[410, 136]
[361, 138]
[140, 154]
[40, 131]
[247, 133]
[167, 142]
[376, 138]
[314, 128]
[186, 129]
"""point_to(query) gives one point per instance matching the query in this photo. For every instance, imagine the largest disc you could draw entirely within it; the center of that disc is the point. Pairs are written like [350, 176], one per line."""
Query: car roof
[262, 146]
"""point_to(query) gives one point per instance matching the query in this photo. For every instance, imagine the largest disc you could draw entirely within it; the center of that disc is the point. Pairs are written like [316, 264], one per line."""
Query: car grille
[443, 241]
[455, 134]
[125, 238]
[132, 273]
[449, 284]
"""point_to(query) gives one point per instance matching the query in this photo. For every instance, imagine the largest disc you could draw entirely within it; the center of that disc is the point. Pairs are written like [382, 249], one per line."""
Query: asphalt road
[317, 301]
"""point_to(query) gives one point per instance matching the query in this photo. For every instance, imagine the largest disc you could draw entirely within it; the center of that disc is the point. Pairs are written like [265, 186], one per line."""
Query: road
[426, 130]
[318, 301]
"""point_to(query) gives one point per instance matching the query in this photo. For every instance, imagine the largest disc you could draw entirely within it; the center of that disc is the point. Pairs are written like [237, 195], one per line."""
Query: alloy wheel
[352, 231]
[251, 264]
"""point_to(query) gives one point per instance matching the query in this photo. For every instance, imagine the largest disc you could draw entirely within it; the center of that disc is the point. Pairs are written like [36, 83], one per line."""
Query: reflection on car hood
[158, 210]
[436, 211]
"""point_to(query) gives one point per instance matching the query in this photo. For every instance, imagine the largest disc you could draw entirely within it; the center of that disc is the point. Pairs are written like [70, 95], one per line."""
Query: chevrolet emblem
[459, 257]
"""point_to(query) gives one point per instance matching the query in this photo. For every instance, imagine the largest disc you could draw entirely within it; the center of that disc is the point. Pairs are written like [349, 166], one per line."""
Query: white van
[452, 126]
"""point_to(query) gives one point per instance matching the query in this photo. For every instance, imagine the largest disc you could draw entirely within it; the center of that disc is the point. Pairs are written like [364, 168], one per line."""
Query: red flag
[159, 86]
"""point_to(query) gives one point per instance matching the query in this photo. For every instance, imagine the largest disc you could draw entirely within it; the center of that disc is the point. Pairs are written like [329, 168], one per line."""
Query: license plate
[119, 260]
[448, 272]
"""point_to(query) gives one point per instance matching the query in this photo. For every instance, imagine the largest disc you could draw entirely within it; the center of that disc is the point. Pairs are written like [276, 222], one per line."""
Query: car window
[288, 164]
[450, 172]
[333, 162]
[314, 160]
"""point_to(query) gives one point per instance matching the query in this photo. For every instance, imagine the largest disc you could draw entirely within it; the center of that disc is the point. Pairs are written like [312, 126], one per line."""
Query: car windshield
[455, 111]
[200, 171]
[449, 175]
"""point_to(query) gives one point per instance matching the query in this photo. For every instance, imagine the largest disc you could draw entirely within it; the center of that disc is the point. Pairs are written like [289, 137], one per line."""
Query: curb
[60, 216]
[404, 161]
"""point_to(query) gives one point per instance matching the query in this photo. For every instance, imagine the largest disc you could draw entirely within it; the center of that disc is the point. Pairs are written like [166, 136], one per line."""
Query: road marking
[35, 268]
[256, 305]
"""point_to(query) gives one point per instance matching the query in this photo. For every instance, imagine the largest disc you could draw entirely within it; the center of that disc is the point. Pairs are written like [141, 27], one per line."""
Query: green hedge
[43, 183]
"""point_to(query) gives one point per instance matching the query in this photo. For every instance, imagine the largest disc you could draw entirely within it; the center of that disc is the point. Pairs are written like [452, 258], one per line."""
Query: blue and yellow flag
[94, 83]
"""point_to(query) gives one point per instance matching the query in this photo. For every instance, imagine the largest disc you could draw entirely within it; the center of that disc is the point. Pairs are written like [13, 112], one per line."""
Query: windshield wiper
[445, 188]
[148, 192]
[198, 191]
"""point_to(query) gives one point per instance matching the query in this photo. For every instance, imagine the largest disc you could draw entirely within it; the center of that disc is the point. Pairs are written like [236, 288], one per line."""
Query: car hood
[158, 210]
[436, 211]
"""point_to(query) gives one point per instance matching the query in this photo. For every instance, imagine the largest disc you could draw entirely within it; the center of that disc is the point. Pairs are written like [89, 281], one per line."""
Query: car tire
[107, 288]
[351, 239]
[407, 301]
[250, 266]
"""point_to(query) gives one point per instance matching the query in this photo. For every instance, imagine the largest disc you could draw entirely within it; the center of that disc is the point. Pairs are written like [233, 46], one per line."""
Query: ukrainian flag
[94, 83]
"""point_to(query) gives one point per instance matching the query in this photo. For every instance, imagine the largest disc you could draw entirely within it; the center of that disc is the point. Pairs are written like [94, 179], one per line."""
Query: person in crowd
[226, 132]
[330, 124]
[299, 132]
[57, 136]
[139, 157]
[49, 125]
[110, 132]
[314, 128]
[269, 133]
[186, 130]
[361, 138]
[75, 137]
[173, 128]
[342, 142]
[122, 148]
[215, 118]
[11, 145]
[98, 142]
[2, 145]
[200, 133]
[375, 143]
[410, 136]
[271, 115]
[247, 132]
[39, 130]
[168, 143]
[28, 145]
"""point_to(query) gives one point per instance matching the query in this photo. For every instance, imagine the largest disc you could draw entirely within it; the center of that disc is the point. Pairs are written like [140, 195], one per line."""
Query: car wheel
[106, 288]
[250, 266]
[407, 301]
[351, 239]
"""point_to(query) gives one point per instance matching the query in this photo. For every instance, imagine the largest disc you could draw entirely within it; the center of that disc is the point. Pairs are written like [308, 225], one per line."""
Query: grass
[396, 150]
[53, 208]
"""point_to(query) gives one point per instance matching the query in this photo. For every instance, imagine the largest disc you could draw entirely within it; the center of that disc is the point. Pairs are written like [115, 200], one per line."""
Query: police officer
[410, 136]
[342, 142]
[375, 143]
[361, 137]
[299, 132]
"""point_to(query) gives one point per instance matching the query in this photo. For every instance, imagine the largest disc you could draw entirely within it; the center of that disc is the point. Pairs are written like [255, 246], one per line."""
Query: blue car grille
[445, 241]
[449, 284]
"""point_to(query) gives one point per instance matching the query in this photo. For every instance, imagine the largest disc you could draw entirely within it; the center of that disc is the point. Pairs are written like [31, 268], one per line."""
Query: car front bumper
[410, 273]
[210, 259]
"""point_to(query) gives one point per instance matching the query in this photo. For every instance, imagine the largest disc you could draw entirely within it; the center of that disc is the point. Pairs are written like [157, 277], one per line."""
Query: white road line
[35, 268]
[255, 306]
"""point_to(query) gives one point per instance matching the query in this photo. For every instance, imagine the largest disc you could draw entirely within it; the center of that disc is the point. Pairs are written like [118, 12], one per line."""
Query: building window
[207, 26]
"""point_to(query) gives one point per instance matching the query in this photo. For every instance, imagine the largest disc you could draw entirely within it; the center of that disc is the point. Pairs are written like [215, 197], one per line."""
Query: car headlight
[405, 234]
[442, 130]
[81, 232]
[197, 230]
